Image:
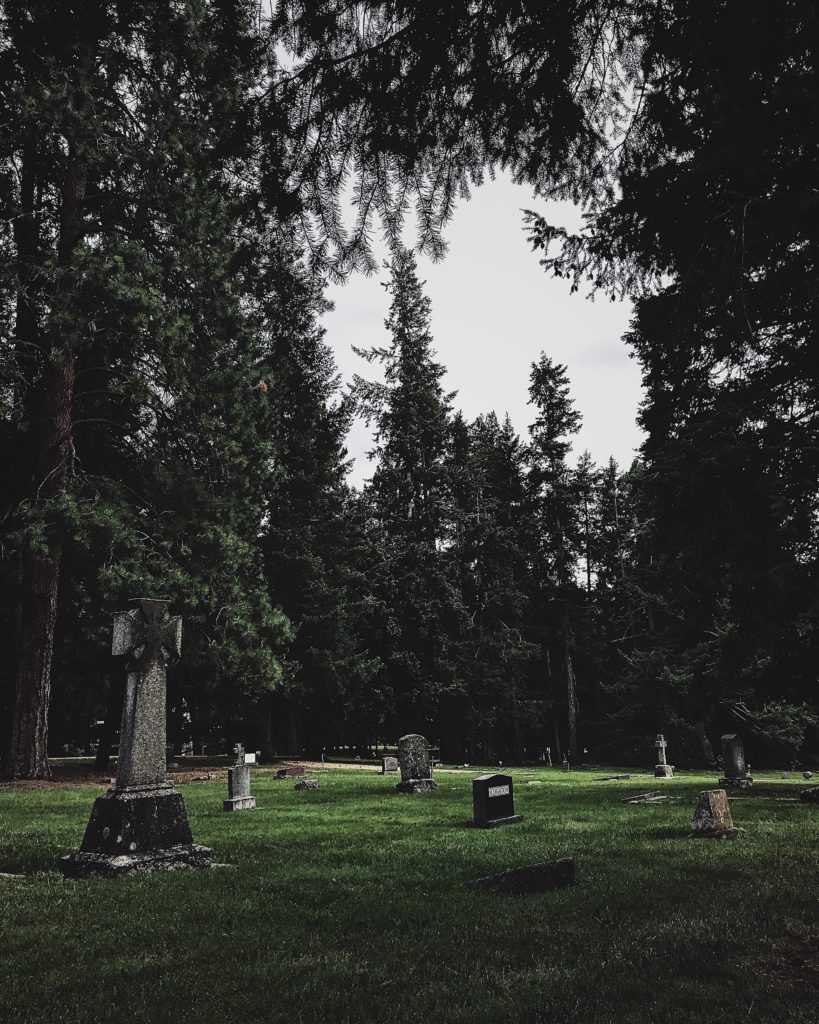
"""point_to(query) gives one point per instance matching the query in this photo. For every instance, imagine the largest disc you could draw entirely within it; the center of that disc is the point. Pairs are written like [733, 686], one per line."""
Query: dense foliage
[172, 179]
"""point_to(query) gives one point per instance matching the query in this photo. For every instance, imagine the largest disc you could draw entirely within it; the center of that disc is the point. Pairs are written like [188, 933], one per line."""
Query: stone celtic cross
[661, 745]
[150, 638]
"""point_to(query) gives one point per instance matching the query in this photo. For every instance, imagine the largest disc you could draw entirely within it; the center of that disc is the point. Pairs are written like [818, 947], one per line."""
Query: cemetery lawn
[349, 904]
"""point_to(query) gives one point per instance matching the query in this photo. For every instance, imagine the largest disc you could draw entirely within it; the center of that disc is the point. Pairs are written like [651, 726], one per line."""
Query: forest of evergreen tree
[172, 423]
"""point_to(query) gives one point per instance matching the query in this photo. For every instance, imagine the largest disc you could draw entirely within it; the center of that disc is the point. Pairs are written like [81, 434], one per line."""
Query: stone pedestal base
[144, 828]
[239, 803]
[664, 771]
[721, 833]
[416, 786]
[497, 822]
[735, 783]
[103, 865]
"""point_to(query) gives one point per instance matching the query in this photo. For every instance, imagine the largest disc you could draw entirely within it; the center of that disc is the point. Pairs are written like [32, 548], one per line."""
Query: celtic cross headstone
[141, 823]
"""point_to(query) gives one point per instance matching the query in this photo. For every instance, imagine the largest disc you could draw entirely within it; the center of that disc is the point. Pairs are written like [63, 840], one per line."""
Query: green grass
[349, 904]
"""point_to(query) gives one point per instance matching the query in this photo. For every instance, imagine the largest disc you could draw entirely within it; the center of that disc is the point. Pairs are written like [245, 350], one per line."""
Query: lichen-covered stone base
[416, 786]
[307, 784]
[736, 783]
[664, 771]
[102, 865]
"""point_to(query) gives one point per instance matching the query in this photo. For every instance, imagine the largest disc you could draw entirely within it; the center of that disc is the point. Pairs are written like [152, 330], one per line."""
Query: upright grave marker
[141, 823]
[734, 768]
[712, 817]
[493, 801]
[416, 765]
[239, 798]
[662, 770]
[389, 765]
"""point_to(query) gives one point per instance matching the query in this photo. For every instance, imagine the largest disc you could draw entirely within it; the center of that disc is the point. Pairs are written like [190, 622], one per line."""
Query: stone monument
[493, 801]
[239, 798]
[389, 765]
[141, 823]
[416, 765]
[734, 769]
[662, 770]
[712, 817]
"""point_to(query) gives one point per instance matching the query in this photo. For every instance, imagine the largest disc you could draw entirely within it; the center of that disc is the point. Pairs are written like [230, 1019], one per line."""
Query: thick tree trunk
[40, 574]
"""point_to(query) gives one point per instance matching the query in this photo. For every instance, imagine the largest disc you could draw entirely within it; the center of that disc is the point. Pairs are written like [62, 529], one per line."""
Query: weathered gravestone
[415, 762]
[662, 770]
[306, 784]
[140, 824]
[734, 769]
[493, 801]
[239, 798]
[389, 765]
[293, 771]
[712, 817]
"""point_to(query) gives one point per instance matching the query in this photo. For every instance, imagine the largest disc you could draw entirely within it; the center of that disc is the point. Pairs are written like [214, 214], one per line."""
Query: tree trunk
[571, 689]
[113, 716]
[40, 574]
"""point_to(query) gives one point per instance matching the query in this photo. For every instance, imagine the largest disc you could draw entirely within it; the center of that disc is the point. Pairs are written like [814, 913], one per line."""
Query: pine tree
[409, 495]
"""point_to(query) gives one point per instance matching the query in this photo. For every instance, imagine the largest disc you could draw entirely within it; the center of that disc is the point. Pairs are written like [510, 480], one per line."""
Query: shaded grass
[349, 904]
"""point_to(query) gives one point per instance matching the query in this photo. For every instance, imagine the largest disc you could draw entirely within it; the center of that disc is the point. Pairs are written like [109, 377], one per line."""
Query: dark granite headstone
[141, 823]
[734, 769]
[416, 765]
[493, 801]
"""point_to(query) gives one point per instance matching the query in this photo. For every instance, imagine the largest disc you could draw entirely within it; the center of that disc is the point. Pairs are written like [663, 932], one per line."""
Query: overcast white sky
[494, 309]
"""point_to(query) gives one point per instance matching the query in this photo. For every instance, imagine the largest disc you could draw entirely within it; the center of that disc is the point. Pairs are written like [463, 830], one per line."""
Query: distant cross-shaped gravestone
[141, 824]
[662, 770]
[239, 798]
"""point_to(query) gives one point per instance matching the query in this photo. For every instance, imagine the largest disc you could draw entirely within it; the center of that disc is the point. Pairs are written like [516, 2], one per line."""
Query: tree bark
[40, 573]
[571, 689]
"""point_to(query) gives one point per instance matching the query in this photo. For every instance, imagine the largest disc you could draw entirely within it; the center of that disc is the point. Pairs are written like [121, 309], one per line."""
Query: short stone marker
[141, 823]
[734, 769]
[292, 771]
[712, 817]
[645, 798]
[239, 798]
[807, 775]
[389, 765]
[662, 770]
[493, 801]
[415, 761]
[810, 796]
[306, 784]
[545, 877]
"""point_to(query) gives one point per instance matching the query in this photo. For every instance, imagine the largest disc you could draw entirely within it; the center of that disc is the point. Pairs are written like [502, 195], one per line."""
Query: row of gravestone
[141, 823]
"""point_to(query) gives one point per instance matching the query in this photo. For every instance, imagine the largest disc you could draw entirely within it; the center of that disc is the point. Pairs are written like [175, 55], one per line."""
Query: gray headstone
[239, 798]
[415, 762]
[141, 824]
[734, 768]
[306, 784]
[712, 817]
[389, 765]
